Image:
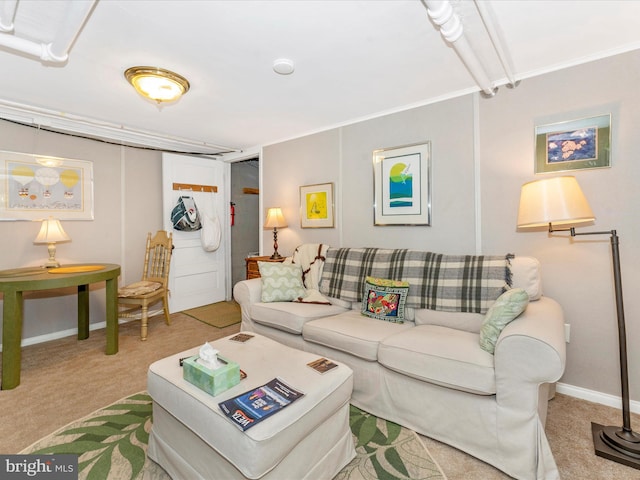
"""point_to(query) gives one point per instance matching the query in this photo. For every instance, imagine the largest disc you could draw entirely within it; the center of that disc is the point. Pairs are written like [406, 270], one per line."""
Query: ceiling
[354, 59]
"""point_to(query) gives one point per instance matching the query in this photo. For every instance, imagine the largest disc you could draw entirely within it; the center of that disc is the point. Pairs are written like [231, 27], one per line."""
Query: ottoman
[309, 439]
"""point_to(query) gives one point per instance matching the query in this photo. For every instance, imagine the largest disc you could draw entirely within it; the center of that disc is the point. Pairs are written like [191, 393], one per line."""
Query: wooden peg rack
[195, 187]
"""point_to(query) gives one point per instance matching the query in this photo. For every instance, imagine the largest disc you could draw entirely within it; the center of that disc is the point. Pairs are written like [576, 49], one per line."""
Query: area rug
[111, 444]
[220, 315]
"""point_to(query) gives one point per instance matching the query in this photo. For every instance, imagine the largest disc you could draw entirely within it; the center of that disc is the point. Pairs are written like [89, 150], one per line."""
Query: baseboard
[74, 331]
[596, 397]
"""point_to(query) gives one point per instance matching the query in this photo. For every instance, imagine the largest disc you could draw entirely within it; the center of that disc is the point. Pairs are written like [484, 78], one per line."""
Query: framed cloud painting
[34, 187]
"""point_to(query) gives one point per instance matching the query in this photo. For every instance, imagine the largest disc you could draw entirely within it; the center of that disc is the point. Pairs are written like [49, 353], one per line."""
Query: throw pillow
[384, 299]
[281, 282]
[505, 309]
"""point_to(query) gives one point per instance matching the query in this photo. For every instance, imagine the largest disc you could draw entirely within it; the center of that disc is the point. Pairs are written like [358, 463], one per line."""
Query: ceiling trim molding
[104, 130]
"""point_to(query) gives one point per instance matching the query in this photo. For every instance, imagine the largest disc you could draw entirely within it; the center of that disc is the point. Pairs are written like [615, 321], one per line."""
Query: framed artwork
[402, 185]
[34, 187]
[574, 145]
[316, 206]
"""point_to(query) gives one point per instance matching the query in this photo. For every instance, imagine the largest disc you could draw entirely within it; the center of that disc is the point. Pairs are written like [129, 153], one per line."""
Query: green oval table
[14, 282]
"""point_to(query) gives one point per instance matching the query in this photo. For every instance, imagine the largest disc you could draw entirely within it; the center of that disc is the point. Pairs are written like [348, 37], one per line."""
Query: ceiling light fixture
[283, 66]
[158, 84]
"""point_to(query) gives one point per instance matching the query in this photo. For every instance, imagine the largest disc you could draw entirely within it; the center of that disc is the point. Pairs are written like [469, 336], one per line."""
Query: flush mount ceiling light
[283, 66]
[158, 84]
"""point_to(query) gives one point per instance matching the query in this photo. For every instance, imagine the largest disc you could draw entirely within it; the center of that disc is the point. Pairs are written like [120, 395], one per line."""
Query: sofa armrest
[246, 293]
[530, 351]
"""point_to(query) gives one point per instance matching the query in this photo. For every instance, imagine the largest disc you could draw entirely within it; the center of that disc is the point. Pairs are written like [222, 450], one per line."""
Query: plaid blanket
[452, 283]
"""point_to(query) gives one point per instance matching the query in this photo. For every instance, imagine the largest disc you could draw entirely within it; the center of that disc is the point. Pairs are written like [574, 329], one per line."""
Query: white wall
[344, 156]
[127, 205]
[577, 273]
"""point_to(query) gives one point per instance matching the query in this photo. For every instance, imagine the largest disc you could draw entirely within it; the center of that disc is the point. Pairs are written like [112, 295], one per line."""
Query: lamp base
[276, 256]
[610, 443]
[51, 264]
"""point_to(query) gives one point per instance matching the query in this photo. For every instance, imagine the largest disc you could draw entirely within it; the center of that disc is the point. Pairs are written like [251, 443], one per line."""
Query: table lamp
[560, 201]
[275, 220]
[51, 232]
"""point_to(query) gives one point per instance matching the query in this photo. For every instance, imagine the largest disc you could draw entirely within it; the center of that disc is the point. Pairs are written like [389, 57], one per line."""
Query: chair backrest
[157, 258]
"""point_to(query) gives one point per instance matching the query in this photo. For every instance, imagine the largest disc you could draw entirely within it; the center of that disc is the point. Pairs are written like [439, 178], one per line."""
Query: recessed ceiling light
[283, 66]
[158, 84]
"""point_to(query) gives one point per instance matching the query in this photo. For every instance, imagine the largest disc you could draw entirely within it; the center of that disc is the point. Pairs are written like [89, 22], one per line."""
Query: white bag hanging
[211, 232]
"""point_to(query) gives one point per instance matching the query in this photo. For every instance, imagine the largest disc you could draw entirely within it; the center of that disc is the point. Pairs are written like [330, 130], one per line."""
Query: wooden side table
[252, 265]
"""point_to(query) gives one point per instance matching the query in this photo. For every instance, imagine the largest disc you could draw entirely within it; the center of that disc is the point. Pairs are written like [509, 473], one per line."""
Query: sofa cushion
[508, 306]
[290, 316]
[281, 282]
[352, 333]
[467, 321]
[440, 355]
[384, 299]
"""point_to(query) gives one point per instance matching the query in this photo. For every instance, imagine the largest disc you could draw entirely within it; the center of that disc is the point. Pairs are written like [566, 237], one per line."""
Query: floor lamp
[559, 201]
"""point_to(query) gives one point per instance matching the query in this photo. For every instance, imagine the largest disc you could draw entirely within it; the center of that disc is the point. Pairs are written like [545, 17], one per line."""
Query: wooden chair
[154, 285]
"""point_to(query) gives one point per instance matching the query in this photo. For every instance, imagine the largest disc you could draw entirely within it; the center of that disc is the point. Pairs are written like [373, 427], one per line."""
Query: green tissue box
[215, 381]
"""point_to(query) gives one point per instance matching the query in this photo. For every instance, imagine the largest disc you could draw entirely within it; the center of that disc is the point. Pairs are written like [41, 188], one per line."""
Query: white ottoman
[310, 439]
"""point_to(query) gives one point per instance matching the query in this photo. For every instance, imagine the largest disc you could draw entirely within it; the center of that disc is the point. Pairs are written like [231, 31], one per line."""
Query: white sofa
[430, 374]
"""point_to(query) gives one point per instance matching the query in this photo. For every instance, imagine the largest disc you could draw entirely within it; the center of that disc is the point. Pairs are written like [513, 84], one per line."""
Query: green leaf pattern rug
[111, 444]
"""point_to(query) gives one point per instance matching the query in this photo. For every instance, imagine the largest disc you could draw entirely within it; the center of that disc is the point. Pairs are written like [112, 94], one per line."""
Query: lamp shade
[51, 232]
[275, 218]
[556, 200]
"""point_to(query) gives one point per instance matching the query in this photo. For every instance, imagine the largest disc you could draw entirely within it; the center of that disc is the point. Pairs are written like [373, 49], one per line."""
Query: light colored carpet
[111, 443]
[219, 315]
[67, 379]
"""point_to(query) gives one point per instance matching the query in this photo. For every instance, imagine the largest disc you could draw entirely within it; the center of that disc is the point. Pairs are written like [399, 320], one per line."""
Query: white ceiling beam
[443, 15]
[488, 20]
[58, 50]
[7, 13]
[91, 128]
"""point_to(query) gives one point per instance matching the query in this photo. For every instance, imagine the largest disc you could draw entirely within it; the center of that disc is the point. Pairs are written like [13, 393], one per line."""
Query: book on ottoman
[249, 408]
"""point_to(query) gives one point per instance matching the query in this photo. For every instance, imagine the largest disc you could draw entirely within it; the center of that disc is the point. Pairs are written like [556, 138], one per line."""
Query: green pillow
[281, 282]
[384, 299]
[505, 309]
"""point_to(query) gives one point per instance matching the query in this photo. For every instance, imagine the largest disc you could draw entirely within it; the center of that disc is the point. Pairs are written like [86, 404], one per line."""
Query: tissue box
[211, 381]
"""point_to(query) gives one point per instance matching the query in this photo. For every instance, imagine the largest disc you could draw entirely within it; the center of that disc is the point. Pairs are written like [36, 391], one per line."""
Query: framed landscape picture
[316, 206]
[34, 187]
[402, 185]
[574, 145]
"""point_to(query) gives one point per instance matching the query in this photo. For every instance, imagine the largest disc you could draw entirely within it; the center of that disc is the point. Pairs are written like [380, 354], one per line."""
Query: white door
[197, 277]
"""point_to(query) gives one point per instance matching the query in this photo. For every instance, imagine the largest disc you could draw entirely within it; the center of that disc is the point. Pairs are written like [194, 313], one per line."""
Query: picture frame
[34, 187]
[402, 185]
[573, 145]
[316, 206]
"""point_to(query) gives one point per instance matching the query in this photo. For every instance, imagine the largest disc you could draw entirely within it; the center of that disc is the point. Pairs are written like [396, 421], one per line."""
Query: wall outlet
[567, 332]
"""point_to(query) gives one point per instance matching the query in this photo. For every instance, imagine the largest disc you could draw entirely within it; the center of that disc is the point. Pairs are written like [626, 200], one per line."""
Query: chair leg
[144, 323]
[165, 305]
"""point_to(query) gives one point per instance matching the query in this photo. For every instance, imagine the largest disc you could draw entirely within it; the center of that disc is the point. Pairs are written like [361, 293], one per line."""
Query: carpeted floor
[67, 379]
